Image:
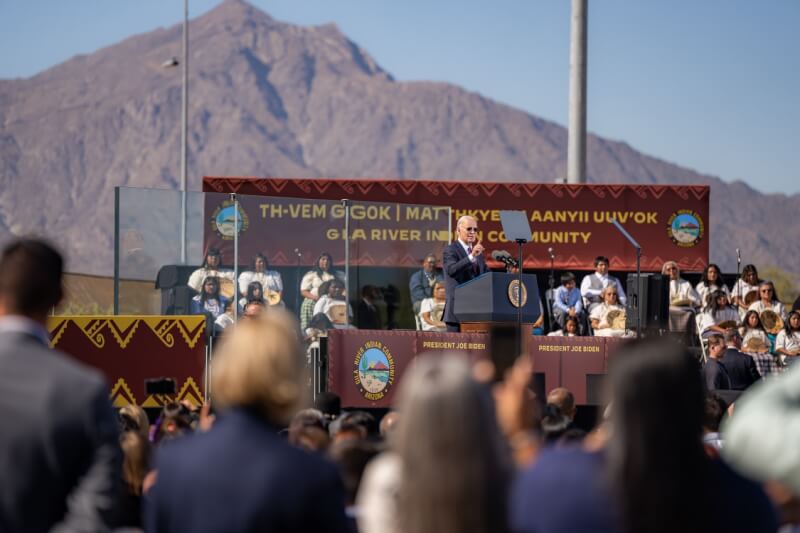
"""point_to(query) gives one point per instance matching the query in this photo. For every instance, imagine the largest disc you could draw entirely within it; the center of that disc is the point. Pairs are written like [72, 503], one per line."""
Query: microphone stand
[739, 281]
[551, 281]
[520, 242]
[298, 255]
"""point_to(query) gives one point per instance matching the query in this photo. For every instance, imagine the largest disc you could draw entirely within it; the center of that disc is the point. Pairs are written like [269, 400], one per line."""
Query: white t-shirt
[789, 343]
[269, 280]
[311, 280]
[707, 319]
[199, 276]
[436, 309]
[759, 307]
[681, 290]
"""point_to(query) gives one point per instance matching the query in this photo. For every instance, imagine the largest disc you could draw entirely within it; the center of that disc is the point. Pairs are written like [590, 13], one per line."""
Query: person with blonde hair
[448, 467]
[241, 475]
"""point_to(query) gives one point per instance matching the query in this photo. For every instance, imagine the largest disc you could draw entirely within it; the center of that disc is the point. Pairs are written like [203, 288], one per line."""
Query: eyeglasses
[471, 229]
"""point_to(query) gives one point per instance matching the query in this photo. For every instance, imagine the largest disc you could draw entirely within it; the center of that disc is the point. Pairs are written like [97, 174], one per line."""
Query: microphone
[504, 257]
[738, 256]
[297, 252]
[550, 251]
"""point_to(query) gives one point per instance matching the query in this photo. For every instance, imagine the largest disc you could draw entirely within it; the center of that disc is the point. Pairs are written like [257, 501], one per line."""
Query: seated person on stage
[270, 280]
[224, 320]
[254, 292]
[209, 301]
[768, 300]
[745, 290]
[571, 329]
[592, 285]
[608, 318]
[754, 336]
[567, 301]
[683, 300]
[718, 316]
[211, 267]
[333, 304]
[421, 284]
[310, 284]
[432, 309]
[787, 343]
[710, 281]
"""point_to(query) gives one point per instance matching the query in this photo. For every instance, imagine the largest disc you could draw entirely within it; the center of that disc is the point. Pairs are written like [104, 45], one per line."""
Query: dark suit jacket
[242, 476]
[741, 369]
[457, 270]
[59, 449]
[715, 375]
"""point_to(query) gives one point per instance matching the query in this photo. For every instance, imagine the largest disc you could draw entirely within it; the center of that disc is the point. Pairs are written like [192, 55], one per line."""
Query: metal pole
[235, 201]
[346, 204]
[116, 250]
[184, 119]
[576, 148]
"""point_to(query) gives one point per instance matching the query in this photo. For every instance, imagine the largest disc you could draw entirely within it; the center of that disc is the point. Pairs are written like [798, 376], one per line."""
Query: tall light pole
[576, 144]
[184, 119]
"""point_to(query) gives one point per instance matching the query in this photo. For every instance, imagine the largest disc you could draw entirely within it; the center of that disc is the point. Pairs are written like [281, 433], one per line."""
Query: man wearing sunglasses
[463, 260]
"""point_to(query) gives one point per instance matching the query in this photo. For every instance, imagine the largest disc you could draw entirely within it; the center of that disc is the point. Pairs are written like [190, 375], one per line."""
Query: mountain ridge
[268, 98]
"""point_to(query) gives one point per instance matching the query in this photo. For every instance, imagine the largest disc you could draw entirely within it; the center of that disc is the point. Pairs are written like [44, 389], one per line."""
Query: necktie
[475, 262]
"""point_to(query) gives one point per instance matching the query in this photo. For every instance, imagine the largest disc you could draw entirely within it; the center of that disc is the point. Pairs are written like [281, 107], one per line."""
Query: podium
[487, 300]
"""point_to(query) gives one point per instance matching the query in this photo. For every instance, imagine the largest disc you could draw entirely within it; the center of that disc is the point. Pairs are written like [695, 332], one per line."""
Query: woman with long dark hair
[270, 280]
[711, 281]
[309, 286]
[747, 283]
[209, 301]
[718, 316]
[652, 475]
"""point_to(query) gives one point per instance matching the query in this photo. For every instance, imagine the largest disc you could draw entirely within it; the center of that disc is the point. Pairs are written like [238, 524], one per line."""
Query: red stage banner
[669, 222]
[381, 234]
[130, 349]
[365, 367]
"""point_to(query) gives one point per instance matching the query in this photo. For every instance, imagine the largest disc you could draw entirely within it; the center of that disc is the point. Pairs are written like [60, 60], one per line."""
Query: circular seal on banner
[373, 371]
[685, 227]
[222, 220]
[513, 293]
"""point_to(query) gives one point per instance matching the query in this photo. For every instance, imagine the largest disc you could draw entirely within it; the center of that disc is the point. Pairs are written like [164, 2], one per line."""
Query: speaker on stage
[648, 297]
[176, 296]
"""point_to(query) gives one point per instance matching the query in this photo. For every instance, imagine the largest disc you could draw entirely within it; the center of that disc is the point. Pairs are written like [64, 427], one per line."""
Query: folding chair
[703, 342]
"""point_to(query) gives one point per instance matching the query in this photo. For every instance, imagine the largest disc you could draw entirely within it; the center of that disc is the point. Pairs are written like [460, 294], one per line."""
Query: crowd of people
[464, 448]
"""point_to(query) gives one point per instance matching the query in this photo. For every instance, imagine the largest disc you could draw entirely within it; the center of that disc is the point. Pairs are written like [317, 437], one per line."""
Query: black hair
[212, 252]
[787, 326]
[263, 258]
[566, 277]
[329, 403]
[656, 463]
[714, 409]
[746, 319]
[750, 269]
[317, 268]
[204, 297]
[251, 289]
[601, 259]
[715, 308]
[704, 277]
[30, 276]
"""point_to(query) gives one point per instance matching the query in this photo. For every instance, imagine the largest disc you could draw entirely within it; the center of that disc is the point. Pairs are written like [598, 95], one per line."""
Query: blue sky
[710, 85]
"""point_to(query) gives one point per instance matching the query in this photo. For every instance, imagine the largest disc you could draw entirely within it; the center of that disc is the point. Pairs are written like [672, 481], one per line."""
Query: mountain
[274, 99]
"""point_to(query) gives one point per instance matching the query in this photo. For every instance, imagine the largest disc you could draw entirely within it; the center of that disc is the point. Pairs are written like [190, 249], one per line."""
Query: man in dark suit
[715, 375]
[463, 260]
[59, 450]
[421, 284]
[741, 368]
